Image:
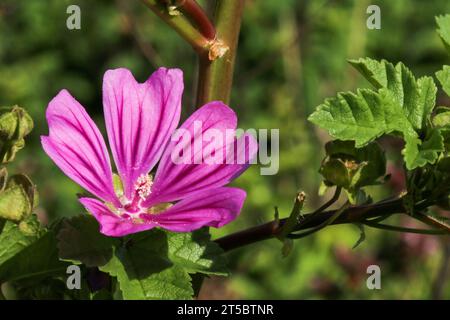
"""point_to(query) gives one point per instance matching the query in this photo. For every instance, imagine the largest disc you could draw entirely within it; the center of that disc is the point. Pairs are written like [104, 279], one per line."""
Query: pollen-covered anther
[143, 186]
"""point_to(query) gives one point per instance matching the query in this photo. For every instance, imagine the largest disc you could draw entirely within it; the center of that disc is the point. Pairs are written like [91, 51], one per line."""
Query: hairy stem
[216, 68]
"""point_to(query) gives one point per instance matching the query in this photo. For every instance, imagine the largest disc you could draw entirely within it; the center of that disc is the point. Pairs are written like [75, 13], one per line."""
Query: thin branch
[327, 222]
[196, 13]
[350, 215]
[330, 202]
[181, 25]
[404, 229]
[432, 221]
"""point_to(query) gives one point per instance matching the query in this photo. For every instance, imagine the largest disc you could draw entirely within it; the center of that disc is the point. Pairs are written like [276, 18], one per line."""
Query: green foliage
[157, 264]
[34, 259]
[14, 238]
[415, 97]
[149, 265]
[444, 78]
[400, 105]
[443, 23]
[79, 241]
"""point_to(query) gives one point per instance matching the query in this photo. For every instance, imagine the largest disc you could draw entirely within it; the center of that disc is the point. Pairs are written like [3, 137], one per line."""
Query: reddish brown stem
[196, 13]
[270, 229]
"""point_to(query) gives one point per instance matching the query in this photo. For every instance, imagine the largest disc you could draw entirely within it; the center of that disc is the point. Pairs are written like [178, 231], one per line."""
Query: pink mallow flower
[140, 120]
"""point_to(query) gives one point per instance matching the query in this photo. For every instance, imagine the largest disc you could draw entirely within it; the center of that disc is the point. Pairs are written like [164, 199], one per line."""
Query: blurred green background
[292, 54]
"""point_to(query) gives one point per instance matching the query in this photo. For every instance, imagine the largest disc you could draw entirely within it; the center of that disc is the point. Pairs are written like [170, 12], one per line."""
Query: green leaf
[443, 30]
[16, 237]
[442, 119]
[156, 264]
[365, 116]
[402, 105]
[362, 235]
[362, 117]
[34, 262]
[374, 71]
[427, 97]
[416, 97]
[197, 253]
[418, 153]
[18, 198]
[79, 240]
[444, 78]
[144, 270]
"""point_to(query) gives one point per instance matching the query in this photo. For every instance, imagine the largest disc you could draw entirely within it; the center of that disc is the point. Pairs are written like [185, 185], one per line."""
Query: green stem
[324, 224]
[216, 68]
[181, 25]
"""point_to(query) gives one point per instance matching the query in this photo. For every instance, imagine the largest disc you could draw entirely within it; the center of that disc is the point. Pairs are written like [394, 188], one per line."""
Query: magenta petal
[214, 208]
[140, 118]
[111, 224]
[174, 181]
[76, 146]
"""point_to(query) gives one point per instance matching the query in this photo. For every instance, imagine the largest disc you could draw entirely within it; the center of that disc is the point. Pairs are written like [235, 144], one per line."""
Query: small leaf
[443, 30]
[418, 153]
[427, 97]
[442, 119]
[79, 240]
[292, 220]
[444, 79]
[362, 235]
[15, 238]
[288, 246]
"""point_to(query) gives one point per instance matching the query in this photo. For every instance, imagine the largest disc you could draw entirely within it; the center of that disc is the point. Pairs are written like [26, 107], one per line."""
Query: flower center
[132, 209]
[142, 189]
[143, 186]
